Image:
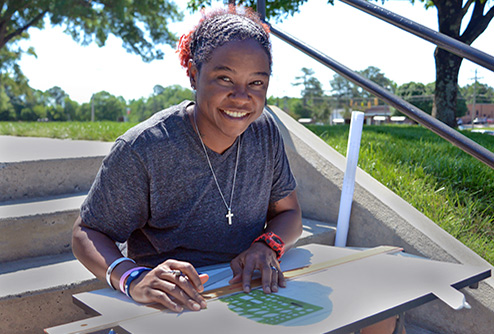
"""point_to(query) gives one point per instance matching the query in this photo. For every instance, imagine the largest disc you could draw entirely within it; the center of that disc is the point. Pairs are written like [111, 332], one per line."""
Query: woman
[200, 183]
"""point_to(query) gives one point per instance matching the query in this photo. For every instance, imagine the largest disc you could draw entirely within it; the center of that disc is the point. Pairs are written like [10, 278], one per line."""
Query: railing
[441, 40]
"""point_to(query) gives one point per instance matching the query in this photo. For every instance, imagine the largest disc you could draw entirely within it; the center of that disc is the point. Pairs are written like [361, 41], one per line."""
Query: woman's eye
[257, 83]
[225, 79]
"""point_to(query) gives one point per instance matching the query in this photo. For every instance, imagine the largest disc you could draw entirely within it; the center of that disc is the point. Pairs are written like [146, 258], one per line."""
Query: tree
[451, 14]
[312, 87]
[56, 96]
[142, 25]
[418, 94]
[483, 93]
[346, 91]
[277, 9]
[314, 104]
[108, 107]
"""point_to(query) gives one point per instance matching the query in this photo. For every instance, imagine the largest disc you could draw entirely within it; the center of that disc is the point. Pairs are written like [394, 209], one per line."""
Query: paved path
[17, 149]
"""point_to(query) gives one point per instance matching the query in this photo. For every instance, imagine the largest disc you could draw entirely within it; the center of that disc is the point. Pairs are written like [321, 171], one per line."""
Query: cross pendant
[229, 215]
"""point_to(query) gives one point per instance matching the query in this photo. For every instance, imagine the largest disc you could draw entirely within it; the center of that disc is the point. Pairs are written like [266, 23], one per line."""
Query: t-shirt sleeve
[283, 181]
[118, 202]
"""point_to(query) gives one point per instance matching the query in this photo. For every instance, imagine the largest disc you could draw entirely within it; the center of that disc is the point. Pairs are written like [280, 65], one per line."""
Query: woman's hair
[219, 27]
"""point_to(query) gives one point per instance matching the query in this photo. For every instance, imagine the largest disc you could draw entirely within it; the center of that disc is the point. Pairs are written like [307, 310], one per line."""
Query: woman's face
[230, 90]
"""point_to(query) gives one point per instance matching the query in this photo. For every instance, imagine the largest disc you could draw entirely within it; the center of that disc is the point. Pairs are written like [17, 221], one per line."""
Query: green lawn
[446, 184]
[102, 131]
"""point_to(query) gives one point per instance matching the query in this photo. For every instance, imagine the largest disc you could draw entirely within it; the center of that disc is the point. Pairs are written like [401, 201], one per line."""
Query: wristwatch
[274, 242]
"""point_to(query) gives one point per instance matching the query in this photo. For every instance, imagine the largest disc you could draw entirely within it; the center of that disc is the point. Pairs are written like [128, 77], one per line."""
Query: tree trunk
[446, 92]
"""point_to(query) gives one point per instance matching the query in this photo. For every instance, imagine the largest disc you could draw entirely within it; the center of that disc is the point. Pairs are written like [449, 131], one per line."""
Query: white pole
[346, 199]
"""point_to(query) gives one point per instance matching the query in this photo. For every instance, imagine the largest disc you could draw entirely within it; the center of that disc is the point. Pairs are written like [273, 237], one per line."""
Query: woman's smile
[235, 114]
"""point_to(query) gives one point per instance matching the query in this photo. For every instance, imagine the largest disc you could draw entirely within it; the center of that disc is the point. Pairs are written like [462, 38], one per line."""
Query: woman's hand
[173, 284]
[258, 257]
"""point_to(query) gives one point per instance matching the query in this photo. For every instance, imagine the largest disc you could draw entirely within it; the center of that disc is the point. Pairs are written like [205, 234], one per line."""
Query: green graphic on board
[270, 309]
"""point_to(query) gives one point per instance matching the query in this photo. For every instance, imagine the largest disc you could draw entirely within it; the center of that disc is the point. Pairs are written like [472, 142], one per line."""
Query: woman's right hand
[173, 284]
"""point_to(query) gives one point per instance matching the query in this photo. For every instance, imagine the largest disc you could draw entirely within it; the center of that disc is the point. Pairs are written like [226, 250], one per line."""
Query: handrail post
[261, 9]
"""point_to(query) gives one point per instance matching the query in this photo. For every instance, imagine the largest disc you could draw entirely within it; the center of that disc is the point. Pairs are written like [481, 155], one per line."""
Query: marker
[204, 277]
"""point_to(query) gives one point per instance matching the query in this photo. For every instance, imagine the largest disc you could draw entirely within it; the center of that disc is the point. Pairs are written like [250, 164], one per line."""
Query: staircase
[43, 183]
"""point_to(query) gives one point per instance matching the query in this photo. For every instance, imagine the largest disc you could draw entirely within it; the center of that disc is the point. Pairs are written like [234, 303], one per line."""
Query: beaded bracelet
[112, 266]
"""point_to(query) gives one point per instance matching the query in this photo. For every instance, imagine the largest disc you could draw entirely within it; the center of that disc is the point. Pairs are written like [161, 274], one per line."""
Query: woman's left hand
[260, 257]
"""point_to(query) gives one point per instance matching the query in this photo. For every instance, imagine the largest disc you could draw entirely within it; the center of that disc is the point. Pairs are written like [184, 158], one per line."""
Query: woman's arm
[285, 220]
[96, 251]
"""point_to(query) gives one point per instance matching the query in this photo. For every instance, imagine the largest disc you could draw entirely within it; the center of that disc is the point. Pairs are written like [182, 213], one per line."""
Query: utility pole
[474, 95]
[92, 108]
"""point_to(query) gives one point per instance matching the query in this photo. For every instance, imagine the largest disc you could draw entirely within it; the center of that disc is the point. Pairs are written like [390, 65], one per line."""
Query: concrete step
[35, 293]
[36, 167]
[37, 227]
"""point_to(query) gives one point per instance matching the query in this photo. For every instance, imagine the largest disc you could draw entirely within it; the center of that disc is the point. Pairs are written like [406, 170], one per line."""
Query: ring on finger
[176, 273]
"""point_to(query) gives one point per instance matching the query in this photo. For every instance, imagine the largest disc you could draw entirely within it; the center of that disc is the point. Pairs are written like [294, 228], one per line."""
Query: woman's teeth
[235, 114]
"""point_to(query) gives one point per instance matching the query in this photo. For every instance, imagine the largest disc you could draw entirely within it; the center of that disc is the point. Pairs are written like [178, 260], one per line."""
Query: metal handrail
[454, 137]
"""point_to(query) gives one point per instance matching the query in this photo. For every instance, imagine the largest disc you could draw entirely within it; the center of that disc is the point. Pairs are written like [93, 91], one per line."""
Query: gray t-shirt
[156, 191]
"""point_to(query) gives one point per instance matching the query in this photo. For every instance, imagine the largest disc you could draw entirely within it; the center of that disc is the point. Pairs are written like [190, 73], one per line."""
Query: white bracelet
[112, 266]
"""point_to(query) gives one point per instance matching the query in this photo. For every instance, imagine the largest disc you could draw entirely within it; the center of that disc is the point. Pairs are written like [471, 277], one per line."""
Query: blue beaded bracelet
[133, 275]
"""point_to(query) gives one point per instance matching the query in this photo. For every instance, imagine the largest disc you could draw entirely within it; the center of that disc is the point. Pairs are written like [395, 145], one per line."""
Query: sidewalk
[18, 149]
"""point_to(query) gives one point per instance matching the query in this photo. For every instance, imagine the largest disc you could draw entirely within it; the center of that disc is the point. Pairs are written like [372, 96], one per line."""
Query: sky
[347, 35]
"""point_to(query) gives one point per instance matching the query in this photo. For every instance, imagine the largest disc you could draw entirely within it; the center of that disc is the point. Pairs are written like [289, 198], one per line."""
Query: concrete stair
[42, 185]
[43, 182]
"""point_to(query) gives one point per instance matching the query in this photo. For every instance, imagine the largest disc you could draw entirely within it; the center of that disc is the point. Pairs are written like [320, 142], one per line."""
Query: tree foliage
[142, 25]
[483, 93]
[418, 94]
[277, 9]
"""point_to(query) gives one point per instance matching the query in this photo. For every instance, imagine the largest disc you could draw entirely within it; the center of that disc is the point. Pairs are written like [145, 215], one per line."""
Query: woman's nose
[239, 92]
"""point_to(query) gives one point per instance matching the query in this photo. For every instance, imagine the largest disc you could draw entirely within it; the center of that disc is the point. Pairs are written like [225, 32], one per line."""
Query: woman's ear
[193, 73]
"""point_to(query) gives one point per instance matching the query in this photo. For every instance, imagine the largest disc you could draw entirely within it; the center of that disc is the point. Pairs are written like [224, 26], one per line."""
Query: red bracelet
[274, 242]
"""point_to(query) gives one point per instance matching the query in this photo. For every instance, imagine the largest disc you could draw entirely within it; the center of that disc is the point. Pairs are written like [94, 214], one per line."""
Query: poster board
[339, 299]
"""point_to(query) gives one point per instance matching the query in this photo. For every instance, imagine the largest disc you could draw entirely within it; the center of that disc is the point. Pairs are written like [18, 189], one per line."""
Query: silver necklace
[229, 215]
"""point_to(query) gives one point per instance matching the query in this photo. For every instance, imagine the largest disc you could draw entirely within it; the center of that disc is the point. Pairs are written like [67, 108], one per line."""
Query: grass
[441, 181]
[102, 131]
[447, 185]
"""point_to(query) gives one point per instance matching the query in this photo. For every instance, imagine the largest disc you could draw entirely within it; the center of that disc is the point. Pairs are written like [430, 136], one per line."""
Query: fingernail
[178, 308]
[204, 304]
[196, 306]
[246, 288]
[275, 288]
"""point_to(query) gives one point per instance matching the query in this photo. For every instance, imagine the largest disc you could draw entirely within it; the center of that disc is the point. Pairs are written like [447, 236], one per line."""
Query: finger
[247, 277]
[155, 293]
[281, 278]
[267, 278]
[274, 279]
[182, 292]
[236, 267]
[181, 283]
[187, 295]
[190, 272]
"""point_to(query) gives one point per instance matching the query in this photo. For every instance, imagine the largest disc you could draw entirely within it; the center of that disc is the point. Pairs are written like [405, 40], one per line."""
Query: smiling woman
[203, 182]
